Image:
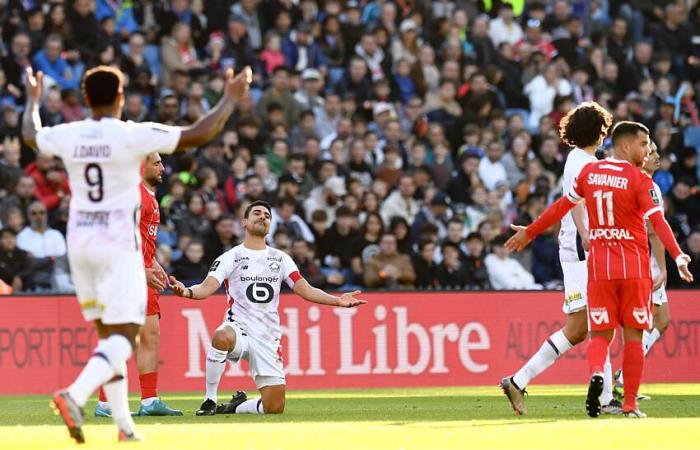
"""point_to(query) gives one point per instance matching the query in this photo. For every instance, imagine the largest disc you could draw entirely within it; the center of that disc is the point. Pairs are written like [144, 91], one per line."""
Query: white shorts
[575, 286]
[110, 284]
[264, 359]
[659, 296]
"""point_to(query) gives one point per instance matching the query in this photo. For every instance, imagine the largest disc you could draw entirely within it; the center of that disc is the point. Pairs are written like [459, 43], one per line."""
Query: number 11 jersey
[619, 197]
[103, 160]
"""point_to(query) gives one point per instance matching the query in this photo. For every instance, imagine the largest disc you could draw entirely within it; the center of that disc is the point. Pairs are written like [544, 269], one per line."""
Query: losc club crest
[274, 267]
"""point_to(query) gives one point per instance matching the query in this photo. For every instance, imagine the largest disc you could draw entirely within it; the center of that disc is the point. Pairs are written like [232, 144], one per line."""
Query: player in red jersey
[147, 350]
[619, 197]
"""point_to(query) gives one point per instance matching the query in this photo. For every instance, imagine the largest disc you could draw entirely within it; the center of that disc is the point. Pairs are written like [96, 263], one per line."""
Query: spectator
[328, 116]
[336, 246]
[405, 46]
[237, 52]
[325, 197]
[279, 93]
[452, 273]
[272, 56]
[373, 55]
[389, 269]
[506, 273]
[504, 28]
[424, 266]
[51, 183]
[24, 195]
[437, 212]
[48, 247]
[465, 176]
[302, 254]
[356, 82]
[15, 263]
[542, 90]
[474, 263]
[285, 217]
[334, 46]
[192, 265]
[10, 167]
[222, 238]
[401, 203]
[178, 53]
[366, 245]
[54, 66]
[491, 168]
[398, 226]
[16, 61]
[301, 52]
[255, 20]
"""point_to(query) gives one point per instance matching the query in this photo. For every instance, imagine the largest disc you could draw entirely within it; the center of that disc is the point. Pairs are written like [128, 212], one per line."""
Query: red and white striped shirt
[619, 197]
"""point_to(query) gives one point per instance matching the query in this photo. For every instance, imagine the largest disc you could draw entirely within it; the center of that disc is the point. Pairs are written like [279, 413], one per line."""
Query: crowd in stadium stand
[396, 140]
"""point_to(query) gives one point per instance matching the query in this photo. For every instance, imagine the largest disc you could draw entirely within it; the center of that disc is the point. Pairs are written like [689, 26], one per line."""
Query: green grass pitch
[431, 418]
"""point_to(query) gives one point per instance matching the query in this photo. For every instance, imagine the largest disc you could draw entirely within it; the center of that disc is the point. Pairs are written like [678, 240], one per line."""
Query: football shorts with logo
[264, 358]
[625, 302]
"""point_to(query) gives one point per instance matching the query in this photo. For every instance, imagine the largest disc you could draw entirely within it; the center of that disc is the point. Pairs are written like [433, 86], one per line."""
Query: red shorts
[619, 302]
[153, 305]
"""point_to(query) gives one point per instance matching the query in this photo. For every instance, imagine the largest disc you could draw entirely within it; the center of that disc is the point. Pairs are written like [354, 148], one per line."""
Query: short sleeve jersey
[150, 219]
[619, 197]
[253, 279]
[103, 160]
[575, 162]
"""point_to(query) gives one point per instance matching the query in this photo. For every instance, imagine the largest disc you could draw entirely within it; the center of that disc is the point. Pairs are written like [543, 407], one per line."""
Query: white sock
[103, 404]
[607, 395]
[118, 397]
[649, 339]
[254, 406]
[107, 358]
[551, 349]
[148, 401]
[216, 364]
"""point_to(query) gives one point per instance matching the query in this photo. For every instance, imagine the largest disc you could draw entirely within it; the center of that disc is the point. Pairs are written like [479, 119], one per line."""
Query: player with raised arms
[103, 156]
[252, 274]
[620, 198]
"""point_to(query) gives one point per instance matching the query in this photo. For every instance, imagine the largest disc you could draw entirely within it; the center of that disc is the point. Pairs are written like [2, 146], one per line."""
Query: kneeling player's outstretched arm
[315, 295]
[196, 292]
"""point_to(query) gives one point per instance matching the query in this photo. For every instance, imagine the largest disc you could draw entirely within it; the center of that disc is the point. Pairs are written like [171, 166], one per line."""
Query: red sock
[632, 367]
[597, 351]
[149, 384]
[103, 397]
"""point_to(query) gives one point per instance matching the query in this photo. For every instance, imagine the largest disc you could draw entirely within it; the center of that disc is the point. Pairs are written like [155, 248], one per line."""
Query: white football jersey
[654, 266]
[253, 279]
[103, 160]
[575, 162]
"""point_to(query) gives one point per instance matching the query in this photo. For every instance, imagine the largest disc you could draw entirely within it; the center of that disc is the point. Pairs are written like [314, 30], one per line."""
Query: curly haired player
[583, 128]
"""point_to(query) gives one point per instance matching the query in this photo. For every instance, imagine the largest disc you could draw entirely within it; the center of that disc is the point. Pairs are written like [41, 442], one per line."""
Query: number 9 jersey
[619, 197]
[103, 160]
[253, 279]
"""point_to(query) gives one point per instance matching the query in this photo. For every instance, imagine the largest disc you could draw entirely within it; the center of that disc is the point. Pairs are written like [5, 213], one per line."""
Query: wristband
[191, 294]
[682, 260]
